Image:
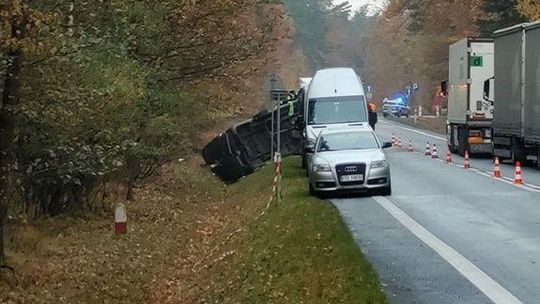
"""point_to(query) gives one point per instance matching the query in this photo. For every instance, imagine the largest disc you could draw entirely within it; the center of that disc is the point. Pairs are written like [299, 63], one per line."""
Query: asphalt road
[447, 234]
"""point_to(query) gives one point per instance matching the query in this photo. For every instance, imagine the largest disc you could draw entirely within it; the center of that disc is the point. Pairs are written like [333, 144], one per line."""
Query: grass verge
[193, 240]
[300, 252]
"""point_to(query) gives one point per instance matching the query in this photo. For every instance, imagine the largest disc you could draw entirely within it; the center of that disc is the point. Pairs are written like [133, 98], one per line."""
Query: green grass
[299, 252]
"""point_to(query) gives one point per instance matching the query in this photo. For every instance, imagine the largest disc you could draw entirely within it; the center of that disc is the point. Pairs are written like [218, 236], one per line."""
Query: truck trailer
[470, 112]
[516, 122]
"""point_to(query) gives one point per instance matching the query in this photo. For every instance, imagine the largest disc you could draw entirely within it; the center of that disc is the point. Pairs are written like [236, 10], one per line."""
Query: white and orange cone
[518, 174]
[467, 161]
[435, 152]
[393, 139]
[496, 168]
[399, 142]
[410, 149]
[428, 150]
[448, 157]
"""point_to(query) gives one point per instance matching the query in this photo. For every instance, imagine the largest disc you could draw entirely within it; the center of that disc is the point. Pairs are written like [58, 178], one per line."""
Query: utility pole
[278, 95]
[273, 81]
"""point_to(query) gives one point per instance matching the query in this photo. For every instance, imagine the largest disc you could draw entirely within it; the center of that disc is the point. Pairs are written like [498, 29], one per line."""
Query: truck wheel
[463, 145]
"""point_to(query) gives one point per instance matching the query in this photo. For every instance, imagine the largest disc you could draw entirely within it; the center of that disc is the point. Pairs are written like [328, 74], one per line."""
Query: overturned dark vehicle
[247, 146]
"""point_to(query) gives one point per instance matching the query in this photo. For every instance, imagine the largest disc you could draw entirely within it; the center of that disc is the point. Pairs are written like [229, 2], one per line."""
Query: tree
[410, 44]
[98, 92]
[529, 9]
[499, 14]
[20, 35]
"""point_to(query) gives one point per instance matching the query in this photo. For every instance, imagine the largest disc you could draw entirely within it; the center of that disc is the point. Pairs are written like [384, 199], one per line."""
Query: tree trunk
[10, 99]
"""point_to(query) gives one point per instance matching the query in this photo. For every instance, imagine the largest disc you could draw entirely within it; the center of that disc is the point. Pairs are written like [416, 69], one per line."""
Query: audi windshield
[347, 141]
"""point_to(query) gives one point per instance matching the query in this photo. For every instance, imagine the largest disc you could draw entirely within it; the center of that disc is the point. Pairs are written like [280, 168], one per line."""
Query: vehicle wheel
[399, 115]
[463, 145]
[387, 191]
[312, 191]
[304, 161]
[385, 115]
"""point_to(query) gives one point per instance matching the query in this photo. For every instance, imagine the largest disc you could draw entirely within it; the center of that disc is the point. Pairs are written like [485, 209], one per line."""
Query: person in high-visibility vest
[372, 112]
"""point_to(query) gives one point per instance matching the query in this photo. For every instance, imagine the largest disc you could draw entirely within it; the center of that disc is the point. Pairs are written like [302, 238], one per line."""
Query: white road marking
[415, 131]
[471, 272]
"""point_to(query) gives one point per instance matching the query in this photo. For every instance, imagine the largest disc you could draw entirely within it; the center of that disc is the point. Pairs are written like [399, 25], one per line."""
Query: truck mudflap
[243, 148]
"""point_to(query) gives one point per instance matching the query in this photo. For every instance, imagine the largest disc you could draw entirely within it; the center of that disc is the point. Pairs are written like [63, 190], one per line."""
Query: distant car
[349, 159]
[395, 108]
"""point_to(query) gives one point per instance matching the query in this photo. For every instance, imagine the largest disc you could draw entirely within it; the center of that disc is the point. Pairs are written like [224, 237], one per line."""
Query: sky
[359, 3]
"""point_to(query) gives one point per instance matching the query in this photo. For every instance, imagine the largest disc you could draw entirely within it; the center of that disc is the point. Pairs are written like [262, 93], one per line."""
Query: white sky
[359, 3]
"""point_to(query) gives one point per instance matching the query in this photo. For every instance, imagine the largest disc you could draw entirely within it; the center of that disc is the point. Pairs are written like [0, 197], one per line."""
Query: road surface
[447, 234]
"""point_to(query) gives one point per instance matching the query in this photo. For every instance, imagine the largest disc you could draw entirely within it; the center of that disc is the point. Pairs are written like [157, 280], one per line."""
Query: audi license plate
[352, 178]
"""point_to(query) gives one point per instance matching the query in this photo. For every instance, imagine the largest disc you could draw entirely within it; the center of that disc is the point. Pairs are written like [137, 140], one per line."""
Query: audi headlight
[378, 164]
[322, 168]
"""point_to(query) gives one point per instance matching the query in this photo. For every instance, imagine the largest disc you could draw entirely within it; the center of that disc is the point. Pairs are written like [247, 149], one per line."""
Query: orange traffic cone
[435, 153]
[393, 139]
[399, 142]
[448, 157]
[497, 168]
[467, 162]
[518, 176]
[410, 149]
[428, 150]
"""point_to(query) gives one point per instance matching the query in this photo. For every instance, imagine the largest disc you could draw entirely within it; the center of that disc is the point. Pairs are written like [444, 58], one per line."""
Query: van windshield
[332, 110]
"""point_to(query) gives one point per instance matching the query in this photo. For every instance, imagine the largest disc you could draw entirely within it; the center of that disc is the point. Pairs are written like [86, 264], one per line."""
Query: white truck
[470, 112]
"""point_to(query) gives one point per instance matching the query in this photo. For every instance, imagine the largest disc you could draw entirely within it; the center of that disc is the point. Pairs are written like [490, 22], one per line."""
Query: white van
[335, 98]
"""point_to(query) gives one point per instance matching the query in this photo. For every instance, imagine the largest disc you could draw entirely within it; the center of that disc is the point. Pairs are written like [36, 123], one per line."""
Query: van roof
[335, 82]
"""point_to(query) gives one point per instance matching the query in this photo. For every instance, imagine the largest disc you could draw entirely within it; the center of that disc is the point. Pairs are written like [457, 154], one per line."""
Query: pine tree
[499, 14]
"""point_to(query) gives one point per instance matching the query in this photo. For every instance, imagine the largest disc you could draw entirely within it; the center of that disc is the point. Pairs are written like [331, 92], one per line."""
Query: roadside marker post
[428, 150]
[411, 149]
[393, 139]
[120, 219]
[399, 142]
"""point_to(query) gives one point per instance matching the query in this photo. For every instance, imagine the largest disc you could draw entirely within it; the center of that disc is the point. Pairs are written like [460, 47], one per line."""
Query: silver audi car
[349, 159]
